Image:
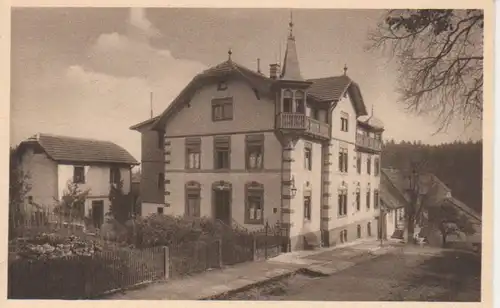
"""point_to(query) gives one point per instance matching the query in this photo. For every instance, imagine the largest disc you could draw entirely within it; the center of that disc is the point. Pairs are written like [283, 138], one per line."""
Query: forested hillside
[458, 165]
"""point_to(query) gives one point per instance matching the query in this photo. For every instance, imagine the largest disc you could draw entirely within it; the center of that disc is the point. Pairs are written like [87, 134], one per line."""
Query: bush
[165, 230]
[78, 276]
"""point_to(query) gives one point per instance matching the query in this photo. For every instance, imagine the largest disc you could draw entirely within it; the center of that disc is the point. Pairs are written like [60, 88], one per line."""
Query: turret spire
[291, 67]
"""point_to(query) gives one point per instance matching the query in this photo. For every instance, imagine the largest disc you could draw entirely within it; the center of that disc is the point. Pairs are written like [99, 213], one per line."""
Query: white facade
[49, 180]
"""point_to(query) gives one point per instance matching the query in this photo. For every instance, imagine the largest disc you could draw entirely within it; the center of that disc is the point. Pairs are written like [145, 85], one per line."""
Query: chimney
[274, 71]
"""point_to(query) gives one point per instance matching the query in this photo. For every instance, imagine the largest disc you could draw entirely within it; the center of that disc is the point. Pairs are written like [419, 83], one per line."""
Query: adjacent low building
[395, 198]
[52, 162]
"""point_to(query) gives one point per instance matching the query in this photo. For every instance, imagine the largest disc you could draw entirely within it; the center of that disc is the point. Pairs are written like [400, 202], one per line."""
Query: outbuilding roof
[72, 149]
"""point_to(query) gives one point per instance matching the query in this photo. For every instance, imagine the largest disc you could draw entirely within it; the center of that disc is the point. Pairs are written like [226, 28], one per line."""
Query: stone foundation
[352, 232]
[332, 237]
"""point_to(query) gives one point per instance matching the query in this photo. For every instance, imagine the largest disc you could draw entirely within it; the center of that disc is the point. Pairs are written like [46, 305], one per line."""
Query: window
[376, 166]
[342, 201]
[359, 231]
[358, 162]
[114, 175]
[287, 101]
[161, 181]
[307, 207]
[369, 165]
[221, 86]
[343, 160]
[159, 210]
[308, 156]
[368, 199]
[161, 139]
[315, 113]
[193, 191]
[369, 229]
[30, 199]
[254, 152]
[375, 199]
[344, 122]
[79, 175]
[254, 213]
[222, 109]
[193, 153]
[343, 236]
[222, 151]
[299, 102]
[358, 200]
[378, 136]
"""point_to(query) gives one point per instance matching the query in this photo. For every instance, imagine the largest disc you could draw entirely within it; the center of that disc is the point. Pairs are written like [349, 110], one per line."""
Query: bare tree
[449, 221]
[440, 60]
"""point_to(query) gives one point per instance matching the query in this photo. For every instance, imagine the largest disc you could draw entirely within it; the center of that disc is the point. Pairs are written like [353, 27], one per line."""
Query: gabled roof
[327, 89]
[463, 207]
[72, 149]
[441, 194]
[391, 192]
[257, 81]
[333, 88]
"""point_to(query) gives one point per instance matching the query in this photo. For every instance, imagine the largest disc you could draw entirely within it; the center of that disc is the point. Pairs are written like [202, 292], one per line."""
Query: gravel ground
[452, 276]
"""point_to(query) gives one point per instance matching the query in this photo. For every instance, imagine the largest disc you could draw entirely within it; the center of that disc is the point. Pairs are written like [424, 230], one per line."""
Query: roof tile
[63, 148]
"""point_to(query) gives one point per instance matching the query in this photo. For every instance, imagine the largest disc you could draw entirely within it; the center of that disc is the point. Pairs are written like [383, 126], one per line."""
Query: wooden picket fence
[77, 277]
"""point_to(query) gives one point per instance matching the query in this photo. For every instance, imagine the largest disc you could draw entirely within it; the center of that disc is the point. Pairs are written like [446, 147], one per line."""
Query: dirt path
[452, 276]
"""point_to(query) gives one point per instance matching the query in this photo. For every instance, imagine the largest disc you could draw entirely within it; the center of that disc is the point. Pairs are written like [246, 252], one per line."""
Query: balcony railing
[368, 142]
[299, 121]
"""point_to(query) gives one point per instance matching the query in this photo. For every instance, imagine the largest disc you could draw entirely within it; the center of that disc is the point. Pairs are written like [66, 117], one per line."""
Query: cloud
[138, 20]
[105, 94]
[122, 56]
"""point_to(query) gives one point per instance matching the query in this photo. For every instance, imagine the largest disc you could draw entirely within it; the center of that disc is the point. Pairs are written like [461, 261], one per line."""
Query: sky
[89, 72]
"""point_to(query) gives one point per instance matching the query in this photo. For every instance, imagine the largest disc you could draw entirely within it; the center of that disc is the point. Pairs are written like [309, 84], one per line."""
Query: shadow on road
[451, 276]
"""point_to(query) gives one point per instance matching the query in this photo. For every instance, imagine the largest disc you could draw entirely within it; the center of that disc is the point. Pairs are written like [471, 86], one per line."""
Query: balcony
[301, 122]
[368, 143]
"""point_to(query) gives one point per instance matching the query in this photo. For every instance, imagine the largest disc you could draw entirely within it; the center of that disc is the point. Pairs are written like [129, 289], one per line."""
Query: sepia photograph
[246, 154]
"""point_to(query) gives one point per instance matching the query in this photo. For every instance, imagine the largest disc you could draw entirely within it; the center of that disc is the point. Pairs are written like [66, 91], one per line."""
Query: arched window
[254, 203]
[287, 101]
[300, 102]
[359, 231]
[369, 228]
[193, 197]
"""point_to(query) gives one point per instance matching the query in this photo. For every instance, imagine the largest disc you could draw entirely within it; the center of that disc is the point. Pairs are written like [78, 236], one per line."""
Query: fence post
[266, 228]
[219, 254]
[254, 248]
[166, 254]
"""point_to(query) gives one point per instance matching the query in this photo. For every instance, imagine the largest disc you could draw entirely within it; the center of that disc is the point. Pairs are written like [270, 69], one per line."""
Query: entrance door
[222, 205]
[98, 213]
